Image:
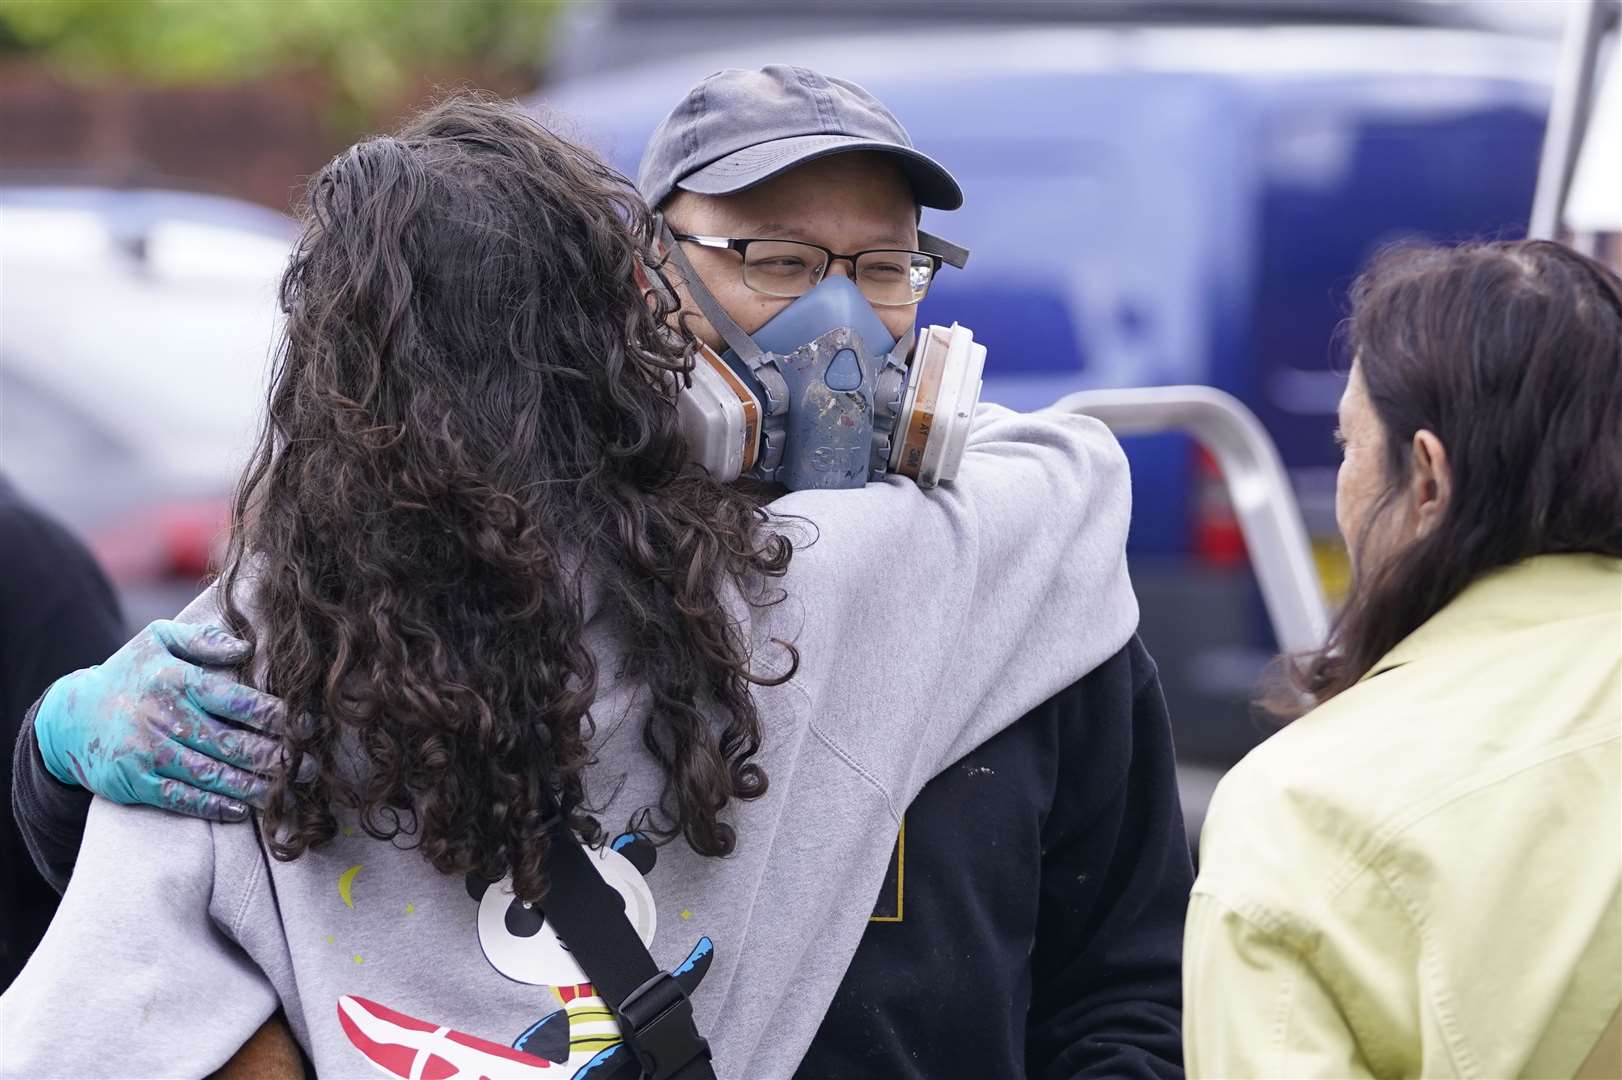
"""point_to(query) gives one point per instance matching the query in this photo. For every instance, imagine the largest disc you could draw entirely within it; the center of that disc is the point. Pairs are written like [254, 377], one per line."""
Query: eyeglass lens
[789, 268]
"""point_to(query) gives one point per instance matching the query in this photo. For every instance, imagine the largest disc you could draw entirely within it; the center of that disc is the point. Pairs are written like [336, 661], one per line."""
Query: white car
[136, 330]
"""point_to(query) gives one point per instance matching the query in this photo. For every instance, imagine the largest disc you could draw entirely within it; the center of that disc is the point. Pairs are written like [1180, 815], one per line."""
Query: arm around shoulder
[927, 621]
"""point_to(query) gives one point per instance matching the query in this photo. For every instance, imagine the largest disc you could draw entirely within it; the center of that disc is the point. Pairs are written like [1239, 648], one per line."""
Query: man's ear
[1431, 483]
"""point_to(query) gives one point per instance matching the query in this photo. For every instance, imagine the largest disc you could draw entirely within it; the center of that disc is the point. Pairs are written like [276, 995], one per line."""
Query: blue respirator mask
[823, 397]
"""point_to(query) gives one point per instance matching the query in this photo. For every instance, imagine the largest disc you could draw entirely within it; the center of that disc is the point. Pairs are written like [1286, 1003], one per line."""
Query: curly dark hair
[471, 420]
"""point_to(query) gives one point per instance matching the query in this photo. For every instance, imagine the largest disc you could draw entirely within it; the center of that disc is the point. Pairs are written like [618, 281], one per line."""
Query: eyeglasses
[888, 277]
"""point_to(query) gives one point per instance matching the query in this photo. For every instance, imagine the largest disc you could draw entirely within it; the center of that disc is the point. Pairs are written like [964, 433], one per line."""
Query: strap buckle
[656, 1022]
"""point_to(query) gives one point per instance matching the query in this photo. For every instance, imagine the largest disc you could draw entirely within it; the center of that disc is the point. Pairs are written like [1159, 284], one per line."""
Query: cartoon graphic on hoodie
[520, 943]
[576, 1038]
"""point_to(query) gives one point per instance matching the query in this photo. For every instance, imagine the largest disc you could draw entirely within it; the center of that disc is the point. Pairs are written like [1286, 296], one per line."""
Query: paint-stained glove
[151, 725]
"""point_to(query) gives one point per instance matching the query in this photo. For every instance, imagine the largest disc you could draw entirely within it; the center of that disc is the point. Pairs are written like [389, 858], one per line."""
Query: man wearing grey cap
[1031, 919]
[788, 151]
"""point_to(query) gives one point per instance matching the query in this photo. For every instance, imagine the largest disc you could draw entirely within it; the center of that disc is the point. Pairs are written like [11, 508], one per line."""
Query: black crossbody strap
[654, 1013]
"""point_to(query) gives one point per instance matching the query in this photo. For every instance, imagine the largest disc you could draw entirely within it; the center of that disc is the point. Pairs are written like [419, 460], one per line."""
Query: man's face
[846, 202]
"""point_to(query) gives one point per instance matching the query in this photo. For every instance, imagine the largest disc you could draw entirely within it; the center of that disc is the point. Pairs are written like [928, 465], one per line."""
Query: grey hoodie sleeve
[163, 928]
[928, 621]
[50, 815]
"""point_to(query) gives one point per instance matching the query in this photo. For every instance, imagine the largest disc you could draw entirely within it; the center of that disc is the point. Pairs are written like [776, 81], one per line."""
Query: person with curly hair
[473, 579]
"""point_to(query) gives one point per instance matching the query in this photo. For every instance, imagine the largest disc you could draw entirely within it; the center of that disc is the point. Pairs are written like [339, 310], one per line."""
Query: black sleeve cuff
[50, 815]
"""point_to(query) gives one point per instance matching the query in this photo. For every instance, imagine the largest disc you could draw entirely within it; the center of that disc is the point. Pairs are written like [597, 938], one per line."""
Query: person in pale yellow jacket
[1421, 876]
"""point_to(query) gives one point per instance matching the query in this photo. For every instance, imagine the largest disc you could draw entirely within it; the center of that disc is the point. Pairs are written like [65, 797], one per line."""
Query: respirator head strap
[740, 342]
[948, 252]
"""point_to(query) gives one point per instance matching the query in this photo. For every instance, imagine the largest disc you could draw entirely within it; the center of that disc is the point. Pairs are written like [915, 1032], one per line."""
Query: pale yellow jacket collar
[1535, 591]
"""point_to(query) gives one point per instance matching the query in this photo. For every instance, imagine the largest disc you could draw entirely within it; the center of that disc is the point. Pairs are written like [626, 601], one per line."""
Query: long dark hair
[1511, 354]
[471, 423]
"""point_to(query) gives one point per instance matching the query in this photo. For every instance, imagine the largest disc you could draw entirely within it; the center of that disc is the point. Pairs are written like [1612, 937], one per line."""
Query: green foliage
[369, 49]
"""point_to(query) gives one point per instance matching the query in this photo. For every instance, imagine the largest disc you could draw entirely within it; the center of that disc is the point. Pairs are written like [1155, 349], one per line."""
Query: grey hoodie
[926, 621]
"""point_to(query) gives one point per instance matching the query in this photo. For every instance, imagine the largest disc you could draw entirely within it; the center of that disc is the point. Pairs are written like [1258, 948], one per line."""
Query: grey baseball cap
[740, 128]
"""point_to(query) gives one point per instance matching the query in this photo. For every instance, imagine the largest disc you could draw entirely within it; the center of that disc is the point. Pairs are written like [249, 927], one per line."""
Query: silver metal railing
[1569, 115]
[1263, 500]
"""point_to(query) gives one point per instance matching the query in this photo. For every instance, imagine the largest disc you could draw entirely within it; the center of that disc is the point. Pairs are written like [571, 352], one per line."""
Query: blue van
[1154, 205]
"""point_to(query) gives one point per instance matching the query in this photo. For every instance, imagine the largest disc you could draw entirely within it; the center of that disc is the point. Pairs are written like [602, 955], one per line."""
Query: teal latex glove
[154, 725]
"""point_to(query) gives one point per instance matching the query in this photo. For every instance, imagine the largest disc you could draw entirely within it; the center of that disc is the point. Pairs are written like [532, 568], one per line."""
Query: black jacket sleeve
[1106, 969]
[50, 815]
[57, 614]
